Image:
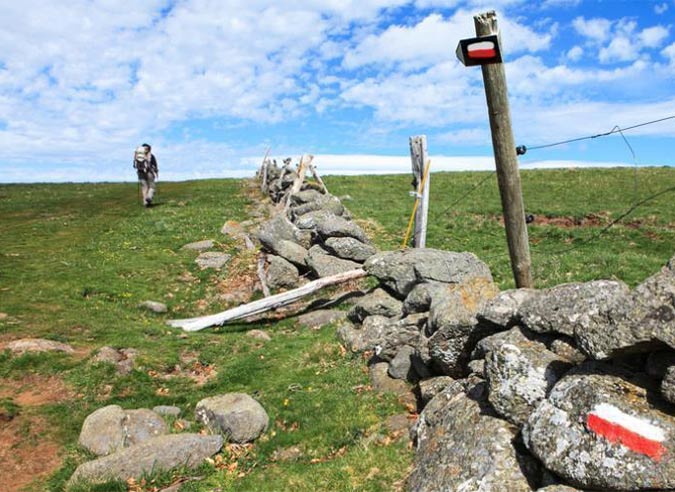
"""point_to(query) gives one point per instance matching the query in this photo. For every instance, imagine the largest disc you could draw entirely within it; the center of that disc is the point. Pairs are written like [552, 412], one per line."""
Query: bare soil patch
[27, 452]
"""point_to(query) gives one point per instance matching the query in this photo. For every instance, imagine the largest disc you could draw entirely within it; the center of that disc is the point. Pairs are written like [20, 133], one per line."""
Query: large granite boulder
[111, 428]
[401, 270]
[236, 415]
[643, 320]
[599, 431]
[461, 446]
[519, 375]
[158, 454]
[568, 308]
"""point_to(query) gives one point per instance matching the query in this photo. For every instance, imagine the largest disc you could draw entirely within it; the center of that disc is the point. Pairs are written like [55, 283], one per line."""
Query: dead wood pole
[305, 162]
[504, 148]
[318, 178]
[266, 304]
[265, 165]
[420, 161]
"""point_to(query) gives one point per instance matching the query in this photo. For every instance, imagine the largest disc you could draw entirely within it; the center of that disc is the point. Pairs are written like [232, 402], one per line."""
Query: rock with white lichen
[597, 430]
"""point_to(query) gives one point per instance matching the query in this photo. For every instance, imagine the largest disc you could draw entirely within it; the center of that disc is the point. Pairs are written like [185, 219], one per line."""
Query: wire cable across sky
[616, 129]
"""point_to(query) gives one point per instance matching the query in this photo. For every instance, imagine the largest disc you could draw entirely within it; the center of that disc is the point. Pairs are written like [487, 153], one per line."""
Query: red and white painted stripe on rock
[636, 434]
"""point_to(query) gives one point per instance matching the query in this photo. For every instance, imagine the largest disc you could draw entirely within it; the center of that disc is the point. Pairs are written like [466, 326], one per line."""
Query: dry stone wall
[311, 233]
[567, 388]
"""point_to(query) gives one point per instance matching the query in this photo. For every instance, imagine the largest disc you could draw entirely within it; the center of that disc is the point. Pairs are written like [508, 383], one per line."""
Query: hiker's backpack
[141, 160]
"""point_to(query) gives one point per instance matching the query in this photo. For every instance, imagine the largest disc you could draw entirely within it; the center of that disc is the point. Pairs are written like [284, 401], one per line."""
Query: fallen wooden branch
[266, 304]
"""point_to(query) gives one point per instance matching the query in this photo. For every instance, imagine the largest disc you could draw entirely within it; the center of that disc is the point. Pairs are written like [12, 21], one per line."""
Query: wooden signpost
[484, 50]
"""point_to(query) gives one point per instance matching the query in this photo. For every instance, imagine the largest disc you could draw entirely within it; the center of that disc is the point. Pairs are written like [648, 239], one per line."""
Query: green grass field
[77, 259]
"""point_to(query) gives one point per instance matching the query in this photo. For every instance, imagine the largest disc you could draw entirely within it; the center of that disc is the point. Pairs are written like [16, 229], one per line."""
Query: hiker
[146, 168]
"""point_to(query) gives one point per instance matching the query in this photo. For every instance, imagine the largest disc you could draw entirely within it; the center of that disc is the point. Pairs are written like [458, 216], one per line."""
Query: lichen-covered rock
[597, 430]
[428, 388]
[359, 339]
[274, 230]
[328, 203]
[642, 321]
[519, 375]
[327, 224]
[281, 273]
[212, 259]
[291, 251]
[452, 320]
[420, 298]
[155, 455]
[199, 245]
[111, 428]
[397, 333]
[400, 271]
[38, 345]
[236, 415]
[668, 385]
[566, 348]
[350, 248]
[461, 447]
[154, 306]
[493, 342]
[377, 302]
[325, 265]
[503, 309]
[400, 366]
[567, 308]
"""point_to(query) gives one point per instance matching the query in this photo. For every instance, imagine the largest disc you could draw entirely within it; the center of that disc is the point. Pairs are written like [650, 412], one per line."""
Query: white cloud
[653, 37]
[575, 53]
[669, 52]
[594, 29]
[620, 48]
[661, 8]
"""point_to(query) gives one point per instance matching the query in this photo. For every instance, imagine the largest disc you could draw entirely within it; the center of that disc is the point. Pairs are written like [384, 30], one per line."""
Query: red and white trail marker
[479, 51]
[638, 435]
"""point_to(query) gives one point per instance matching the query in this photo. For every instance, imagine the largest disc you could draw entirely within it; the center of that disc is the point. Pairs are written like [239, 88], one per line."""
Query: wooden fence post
[504, 147]
[420, 161]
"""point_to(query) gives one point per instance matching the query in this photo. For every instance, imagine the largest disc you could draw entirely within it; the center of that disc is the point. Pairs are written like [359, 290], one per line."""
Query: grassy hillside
[76, 260]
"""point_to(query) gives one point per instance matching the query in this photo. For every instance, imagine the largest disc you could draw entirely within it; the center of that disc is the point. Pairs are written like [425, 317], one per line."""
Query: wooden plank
[503, 143]
[262, 305]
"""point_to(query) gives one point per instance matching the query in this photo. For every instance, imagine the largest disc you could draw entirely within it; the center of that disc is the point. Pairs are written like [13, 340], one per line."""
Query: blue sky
[212, 83]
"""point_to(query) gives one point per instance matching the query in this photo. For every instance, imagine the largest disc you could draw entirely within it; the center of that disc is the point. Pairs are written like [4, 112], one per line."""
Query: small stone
[259, 335]
[199, 245]
[154, 306]
[38, 345]
[212, 259]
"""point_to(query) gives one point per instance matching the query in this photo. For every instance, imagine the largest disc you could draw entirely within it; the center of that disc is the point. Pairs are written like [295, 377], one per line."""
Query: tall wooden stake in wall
[420, 161]
[506, 160]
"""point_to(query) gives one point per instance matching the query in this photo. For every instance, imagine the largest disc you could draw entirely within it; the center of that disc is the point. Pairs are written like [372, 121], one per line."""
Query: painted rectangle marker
[638, 435]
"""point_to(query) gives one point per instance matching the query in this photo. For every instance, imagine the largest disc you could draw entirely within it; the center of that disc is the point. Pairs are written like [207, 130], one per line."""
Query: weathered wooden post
[420, 163]
[485, 51]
